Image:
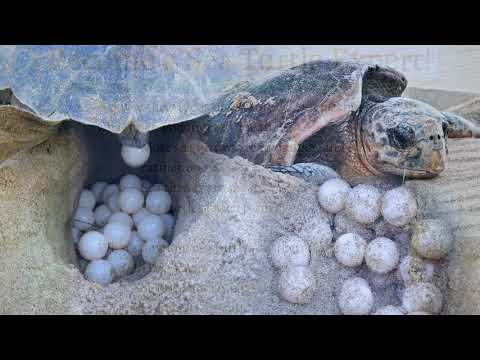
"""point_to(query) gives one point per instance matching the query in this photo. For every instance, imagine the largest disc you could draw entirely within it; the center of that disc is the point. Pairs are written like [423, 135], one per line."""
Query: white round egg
[99, 271]
[332, 194]
[83, 219]
[355, 297]
[102, 215]
[151, 227]
[297, 284]
[122, 263]
[350, 249]
[92, 245]
[362, 204]
[318, 235]
[158, 202]
[289, 250]
[97, 190]
[130, 181]
[122, 218]
[414, 269]
[135, 245]
[152, 249]
[135, 157]
[398, 206]
[382, 255]
[432, 238]
[389, 310]
[108, 191]
[130, 200]
[113, 203]
[422, 296]
[87, 199]
[158, 187]
[140, 215]
[117, 235]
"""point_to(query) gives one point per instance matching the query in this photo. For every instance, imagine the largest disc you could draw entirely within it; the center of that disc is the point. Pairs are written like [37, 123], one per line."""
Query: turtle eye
[401, 137]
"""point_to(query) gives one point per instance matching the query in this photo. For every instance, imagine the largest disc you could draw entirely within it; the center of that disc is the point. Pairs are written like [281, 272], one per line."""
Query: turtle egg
[113, 203]
[92, 245]
[297, 284]
[130, 181]
[158, 202]
[140, 215]
[382, 255]
[413, 269]
[432, 238]
[389, 310]
[152, 249]
[362, 204]
[350, 249]
[117, 235]
[355, 297]
[87, 199]
[158, 187]
[289, 251]
[169, 222]
[135, 245]
[422, 296]
[131, 200]
[102, 215]
[332, 194]
[399, 206]
[99, 271]
[318, 235]
[122, 218]
[135, 157]
[109, 190]
[97, 190]
[122, 263]
[83, 219]
[151, 227]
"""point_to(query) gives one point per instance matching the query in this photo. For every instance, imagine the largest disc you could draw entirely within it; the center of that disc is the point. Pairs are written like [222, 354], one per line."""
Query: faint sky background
[443, 67]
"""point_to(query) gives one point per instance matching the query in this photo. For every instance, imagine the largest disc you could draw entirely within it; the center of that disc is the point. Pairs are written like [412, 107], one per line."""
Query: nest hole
[105, 164]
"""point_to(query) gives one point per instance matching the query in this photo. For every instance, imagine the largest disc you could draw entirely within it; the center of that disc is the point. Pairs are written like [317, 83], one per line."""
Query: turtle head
[404, 137]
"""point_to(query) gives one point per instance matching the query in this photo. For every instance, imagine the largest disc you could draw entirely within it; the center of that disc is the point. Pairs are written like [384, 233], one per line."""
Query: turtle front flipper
[312, 173]
[22, 130]
[459, 127]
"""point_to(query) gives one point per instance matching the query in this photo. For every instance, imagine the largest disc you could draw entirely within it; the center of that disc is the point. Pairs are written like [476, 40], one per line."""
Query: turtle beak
[436, 164]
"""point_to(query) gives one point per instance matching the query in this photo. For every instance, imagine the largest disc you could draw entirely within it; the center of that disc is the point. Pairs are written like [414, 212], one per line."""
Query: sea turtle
[347, 115]
[127, 90]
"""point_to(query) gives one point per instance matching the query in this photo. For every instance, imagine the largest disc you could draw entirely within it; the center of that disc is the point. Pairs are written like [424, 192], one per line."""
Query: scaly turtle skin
[347, 115]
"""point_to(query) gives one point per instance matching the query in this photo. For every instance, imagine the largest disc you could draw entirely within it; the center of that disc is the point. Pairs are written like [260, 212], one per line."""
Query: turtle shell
[265, 121]
[113, 87]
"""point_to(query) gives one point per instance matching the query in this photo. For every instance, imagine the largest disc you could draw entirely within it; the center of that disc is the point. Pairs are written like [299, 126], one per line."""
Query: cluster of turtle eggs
[119, 227]
[365, 204]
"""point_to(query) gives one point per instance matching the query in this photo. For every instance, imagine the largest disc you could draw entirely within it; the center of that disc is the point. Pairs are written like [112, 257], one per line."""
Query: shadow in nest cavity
[123, 217]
